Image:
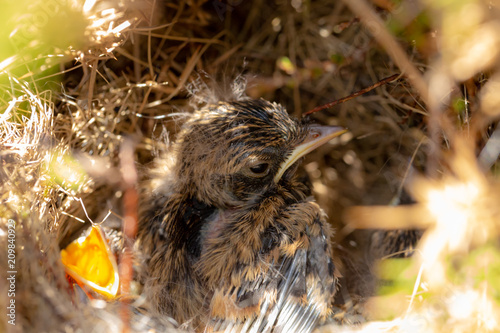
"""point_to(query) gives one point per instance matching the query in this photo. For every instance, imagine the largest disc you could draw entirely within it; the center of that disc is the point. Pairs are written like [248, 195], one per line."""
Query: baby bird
[232, 240]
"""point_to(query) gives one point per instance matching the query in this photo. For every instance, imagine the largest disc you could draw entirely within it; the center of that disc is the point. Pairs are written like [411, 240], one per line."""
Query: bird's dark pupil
[259, 168]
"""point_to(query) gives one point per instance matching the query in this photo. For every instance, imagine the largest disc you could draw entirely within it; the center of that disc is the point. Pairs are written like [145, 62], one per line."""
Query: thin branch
[353, 95]
[130, 207]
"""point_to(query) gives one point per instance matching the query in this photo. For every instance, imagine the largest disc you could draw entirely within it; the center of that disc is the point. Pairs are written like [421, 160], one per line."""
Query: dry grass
[119, 70]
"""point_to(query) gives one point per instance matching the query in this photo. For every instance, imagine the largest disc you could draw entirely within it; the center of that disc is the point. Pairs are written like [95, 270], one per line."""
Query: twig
[353, 95]
[407, 171]
[93, 72]
[130, 206]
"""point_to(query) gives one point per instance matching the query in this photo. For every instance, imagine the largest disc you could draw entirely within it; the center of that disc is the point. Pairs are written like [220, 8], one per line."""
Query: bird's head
[232, 152]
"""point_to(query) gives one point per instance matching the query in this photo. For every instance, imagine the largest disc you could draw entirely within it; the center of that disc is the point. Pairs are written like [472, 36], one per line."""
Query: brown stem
[130, 207]
[353, 95]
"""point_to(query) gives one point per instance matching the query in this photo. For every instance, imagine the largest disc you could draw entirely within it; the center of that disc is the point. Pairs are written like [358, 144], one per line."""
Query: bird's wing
[291, 296]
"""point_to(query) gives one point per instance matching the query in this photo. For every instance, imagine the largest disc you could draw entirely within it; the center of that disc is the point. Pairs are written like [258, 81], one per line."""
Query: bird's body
[233, 241]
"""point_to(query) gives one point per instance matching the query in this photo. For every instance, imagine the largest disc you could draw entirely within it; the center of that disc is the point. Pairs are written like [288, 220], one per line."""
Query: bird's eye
[260, 170]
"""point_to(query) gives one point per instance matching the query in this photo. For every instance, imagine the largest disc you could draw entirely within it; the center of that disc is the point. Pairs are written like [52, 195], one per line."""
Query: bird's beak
[318, 135]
